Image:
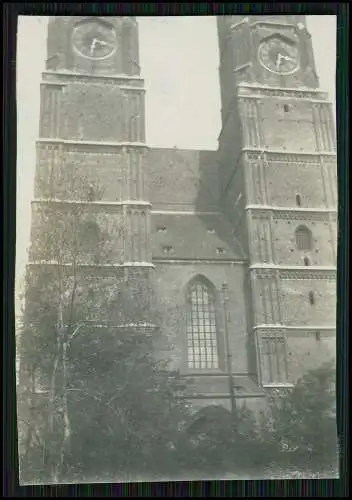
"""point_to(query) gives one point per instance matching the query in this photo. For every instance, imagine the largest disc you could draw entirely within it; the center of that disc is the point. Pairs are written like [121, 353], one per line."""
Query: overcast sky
[179, 59]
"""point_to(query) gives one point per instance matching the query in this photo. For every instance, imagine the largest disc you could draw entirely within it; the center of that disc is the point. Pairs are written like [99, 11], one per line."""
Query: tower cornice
[54, 76]
[295, 211]
[98, 204]
[289, 156]
[68, 142]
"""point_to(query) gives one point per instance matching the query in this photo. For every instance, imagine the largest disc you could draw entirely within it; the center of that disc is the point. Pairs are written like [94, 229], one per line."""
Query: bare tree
[65, 239]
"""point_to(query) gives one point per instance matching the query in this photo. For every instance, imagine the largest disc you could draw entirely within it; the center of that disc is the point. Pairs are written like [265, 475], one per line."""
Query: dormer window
[211, 230]
[220, 251]
[161, 229]
[167, 250]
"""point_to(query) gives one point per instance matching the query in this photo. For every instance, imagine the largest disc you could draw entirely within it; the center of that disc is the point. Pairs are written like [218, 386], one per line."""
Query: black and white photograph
[176, 248]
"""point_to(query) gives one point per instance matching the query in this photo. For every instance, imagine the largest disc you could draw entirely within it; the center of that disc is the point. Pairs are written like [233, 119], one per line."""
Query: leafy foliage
[105, 405]
[299, 427]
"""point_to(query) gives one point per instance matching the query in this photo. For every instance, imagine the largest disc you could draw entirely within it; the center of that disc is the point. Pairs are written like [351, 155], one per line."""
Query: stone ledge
[93, 266]
[49, 76]
[51, 140]
[49, 201]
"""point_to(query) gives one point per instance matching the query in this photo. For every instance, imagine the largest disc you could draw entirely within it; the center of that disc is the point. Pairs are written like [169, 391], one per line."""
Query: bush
[299, 427]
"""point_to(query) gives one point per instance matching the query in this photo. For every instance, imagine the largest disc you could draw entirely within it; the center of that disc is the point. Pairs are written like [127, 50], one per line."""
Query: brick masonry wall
[284, 240]
[276, 179]
[181, 179]
[233, 202]
[292, 130]
[102, 112]
[194, 236]
[170, 282]
[295, 305]
[273, 238]
[62, 56]
[304, 350]
[284, 297]
[87, 110]
[306, 75]
[103, 295]
[285, 180]
[48, 236]
[66, 172]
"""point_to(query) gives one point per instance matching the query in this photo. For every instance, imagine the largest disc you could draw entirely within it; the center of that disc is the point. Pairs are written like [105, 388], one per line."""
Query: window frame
[212, 294]
[299, 232]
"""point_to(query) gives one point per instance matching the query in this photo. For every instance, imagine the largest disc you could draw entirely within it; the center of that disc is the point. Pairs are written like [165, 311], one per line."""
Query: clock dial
[279, 56]
[94, 40]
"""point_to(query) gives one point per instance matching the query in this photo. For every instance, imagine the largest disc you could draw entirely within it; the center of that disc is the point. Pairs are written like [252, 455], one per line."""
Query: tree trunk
[66, 421]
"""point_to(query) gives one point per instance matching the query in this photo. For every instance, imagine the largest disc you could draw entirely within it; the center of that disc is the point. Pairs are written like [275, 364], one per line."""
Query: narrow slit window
[311, 298]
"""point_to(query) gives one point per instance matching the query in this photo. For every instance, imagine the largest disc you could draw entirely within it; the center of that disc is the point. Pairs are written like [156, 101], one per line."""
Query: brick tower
[260, 213]
[278, 185]
[90, 156]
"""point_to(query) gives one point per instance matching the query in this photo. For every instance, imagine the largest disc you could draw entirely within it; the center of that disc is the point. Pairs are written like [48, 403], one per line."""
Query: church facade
[235, 248]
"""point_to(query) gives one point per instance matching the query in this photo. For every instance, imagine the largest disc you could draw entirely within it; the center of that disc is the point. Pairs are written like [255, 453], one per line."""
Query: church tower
[277, 160]
[90, 157]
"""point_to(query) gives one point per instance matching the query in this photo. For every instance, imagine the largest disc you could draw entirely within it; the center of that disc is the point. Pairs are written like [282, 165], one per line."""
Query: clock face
[279, 56]
[94, 40]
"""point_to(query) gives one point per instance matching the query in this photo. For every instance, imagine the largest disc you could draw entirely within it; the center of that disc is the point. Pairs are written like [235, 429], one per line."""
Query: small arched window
[303, 238]
[306, 261]
[202, 341]
[298, 200]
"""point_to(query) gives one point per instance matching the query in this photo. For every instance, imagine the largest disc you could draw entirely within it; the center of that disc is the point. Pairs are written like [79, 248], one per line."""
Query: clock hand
[278, 61]
[92, 47]
[287, 58]
[101, 42]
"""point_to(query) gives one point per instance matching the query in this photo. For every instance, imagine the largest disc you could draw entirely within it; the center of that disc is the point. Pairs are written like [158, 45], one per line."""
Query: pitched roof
[194, 236]
[181, 178]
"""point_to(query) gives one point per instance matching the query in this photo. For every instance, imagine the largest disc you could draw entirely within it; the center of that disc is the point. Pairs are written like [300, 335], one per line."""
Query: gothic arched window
[202, 342]
[303, 238]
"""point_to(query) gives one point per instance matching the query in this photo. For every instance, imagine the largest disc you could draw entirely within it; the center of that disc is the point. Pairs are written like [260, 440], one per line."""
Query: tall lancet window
[201, 326]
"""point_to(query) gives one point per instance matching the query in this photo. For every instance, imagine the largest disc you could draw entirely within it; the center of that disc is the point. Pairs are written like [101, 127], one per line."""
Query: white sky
[179, 59]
